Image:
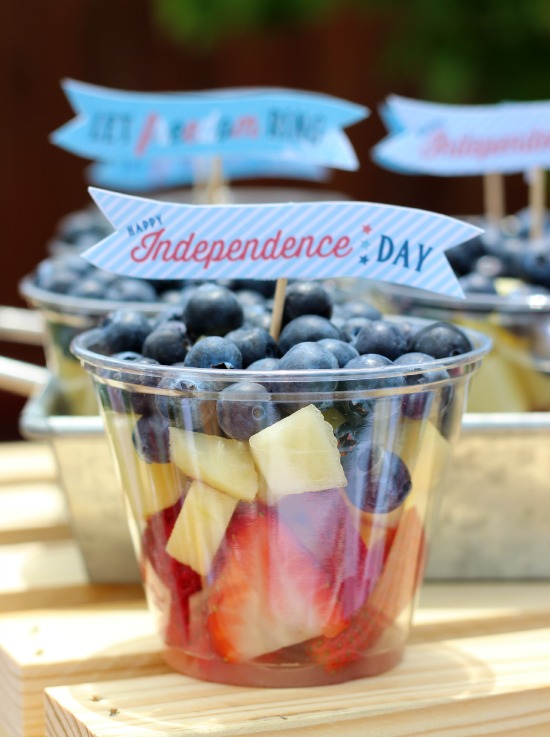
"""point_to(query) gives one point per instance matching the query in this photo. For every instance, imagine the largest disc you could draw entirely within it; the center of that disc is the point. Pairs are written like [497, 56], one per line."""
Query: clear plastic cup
[291, 556]
[64, 317]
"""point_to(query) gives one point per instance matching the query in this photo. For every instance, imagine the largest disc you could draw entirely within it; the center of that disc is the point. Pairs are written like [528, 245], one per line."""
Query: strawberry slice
[270, 592]
[162, 573]
[393, 591]
[323, 523]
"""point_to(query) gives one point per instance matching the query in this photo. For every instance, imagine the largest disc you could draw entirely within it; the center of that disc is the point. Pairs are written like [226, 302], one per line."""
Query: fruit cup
[281, 517]
[516, 376]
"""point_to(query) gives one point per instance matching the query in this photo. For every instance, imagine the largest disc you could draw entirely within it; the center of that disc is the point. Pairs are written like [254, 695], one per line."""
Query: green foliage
[446, 50]
[200, 24]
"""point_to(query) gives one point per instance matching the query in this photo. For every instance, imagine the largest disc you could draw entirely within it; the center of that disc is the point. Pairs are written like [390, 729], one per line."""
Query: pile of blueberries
[504, 252]
[214, 327]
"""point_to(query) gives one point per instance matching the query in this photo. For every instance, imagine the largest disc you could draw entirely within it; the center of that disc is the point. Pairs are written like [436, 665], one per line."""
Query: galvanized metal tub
[491, 518]
[87, 475]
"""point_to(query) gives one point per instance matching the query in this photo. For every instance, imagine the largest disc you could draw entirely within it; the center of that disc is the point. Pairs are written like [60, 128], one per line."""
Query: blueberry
[127, 289]
[214, 352]
[89, 288]
[418, 405]
[372, 361]
[306, 329]
[306, 298]
[353, 326]
[183, 402]
[126, 330]
[464, 256]
[97, 342]
[151, 439]
[441, 340]
[75, 263]
[60, 280]
[245, 409]
[130, 399]
[383, 338]
[492, 266]
[173, 313]
[346, 437]
[250, 298]
[254, 343]
[358, 308]
[304, 356]
[212, 310]
[476, 283]
[105, 277]
[265, 364]
[379, 481]
[409, 330]
[358, 407]
[342, 351]
[168, 344]
[259, 317]
[534, 265]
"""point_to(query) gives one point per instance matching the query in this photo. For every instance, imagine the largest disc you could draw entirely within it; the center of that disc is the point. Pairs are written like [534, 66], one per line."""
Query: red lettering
[184, 247]
[190, 131]
[234, 247]
[150, 246]
[247, 125]
[288, 245]
[146, 134]
[305, 242]
[270, 247]
[342, 244]
[200, 248]
[216, 253]
[317, 250]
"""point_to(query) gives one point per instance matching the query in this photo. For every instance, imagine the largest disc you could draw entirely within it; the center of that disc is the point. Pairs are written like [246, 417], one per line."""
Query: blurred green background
[455, 51]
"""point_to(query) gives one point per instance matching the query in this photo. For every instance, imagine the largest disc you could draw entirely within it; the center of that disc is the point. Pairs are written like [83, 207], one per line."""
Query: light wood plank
[26, 461]
[474, 686]
[44, 648]
[32, 511]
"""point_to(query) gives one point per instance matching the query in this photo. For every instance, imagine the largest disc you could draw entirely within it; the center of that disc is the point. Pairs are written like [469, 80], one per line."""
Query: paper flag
[116, 125]
[314, 240]
[455, 140]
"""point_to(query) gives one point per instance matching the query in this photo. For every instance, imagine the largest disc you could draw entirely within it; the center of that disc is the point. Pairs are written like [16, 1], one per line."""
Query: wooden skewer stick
[278, 307]
[215, 187]
[493, 196]
[537, 197]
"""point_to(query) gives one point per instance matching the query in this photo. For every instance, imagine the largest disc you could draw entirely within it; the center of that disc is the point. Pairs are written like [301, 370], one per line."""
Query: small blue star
[363, 260]
[364, 244]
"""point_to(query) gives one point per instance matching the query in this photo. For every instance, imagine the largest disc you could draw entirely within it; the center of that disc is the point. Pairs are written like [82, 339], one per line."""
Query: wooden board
[106, 644]
[32, 506]
[46, 647]
[478, 660]
[473, 686]
[43, 582]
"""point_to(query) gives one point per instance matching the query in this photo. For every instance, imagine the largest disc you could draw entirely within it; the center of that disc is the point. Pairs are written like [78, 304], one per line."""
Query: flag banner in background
[456, 140]
[117, 125]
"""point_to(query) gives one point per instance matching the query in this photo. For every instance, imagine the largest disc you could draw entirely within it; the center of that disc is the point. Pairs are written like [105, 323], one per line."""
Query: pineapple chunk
[200, 526]
[299, 453]
[219, 462]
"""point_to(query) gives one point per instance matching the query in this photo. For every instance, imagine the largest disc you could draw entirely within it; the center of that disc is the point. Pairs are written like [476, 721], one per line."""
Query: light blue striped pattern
[261, 222]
